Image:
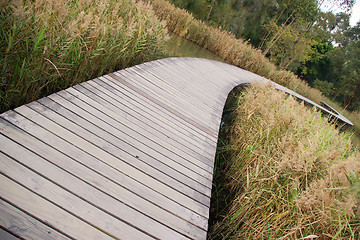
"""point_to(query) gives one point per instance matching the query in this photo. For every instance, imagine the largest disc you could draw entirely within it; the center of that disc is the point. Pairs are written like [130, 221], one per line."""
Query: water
[180, 47]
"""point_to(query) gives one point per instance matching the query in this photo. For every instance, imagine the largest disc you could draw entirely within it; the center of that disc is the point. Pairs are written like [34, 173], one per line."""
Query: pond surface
[179, 47]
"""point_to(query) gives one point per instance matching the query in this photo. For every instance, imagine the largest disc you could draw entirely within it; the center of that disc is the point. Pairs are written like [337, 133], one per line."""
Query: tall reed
[48, 45]
[284, 172]
[235, 51]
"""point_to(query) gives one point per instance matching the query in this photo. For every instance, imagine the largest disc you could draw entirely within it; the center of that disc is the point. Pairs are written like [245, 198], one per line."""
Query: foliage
[290, 33]
[347, 71]
[291, 45]
[224, 44]
[46, 46]
[325, 87]
[337, 67]
[198, 7]
[317, 66]
[284, 172]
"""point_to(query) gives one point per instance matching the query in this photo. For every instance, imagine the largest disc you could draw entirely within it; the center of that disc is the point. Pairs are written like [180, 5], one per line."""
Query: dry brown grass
[290, 173]
[239, 53]
[48, 45]
[235, 51]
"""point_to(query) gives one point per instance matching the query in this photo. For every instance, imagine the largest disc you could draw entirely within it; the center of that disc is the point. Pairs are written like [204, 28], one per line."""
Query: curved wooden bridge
[128, 155]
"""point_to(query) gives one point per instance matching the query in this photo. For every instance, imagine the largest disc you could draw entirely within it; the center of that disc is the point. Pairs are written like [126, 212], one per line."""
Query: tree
[302, 22]
[350, 75]
[318, 65]
[289, 45]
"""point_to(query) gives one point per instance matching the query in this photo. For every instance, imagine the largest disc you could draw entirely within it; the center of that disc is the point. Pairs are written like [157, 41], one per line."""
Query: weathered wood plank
[128, 155]
[125, 133]
[182, 105]
[106, 185]
[47, 211]
[196, 124]
[25, 226]
[138, 149]
[113, 120]
[204, 149]
[150, 131]
[170, 119]
[150, 148]
[175, 77]
[136, 191]
[100, 149]
[138, 159]
[4, 235]
[162, 79]
[100, 210]
[119, 85]
[177, 138]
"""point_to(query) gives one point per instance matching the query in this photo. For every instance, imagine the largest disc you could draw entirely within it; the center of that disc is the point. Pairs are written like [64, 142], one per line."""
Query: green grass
[283, 172]
[46, 46]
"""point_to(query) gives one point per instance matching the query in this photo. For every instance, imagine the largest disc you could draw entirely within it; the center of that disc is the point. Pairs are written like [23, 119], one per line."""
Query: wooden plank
[82, 199]
[47, 212]
[155, 110]
[155, 80]
[201, 127]
[184, 86]
[115, 84]
[4, 235]
[185, 130]
[171, 77]
[207, 120]
[112, 119]
[151, 132]
[215, 75]
[186, 101]
[208, 151]
[195, 88]
[125, 133]
[136, 191]
[178, 77]
[137, 160]
[123, 165]
[203, 147]
[134, 147]
[110, 188]
[206, 136]
[162, 79]
[24, 225]
[171, 132]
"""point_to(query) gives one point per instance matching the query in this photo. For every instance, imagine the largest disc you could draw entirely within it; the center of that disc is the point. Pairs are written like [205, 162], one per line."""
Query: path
[129, 155]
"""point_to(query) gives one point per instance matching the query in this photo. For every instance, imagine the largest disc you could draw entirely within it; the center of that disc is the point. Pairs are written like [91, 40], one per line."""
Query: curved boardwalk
[128, 155]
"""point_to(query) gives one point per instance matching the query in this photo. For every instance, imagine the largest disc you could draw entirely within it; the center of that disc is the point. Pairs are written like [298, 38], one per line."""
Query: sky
[355, 15]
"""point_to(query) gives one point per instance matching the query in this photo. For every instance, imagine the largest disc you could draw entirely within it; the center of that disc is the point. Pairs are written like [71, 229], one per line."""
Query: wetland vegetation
[282, 171]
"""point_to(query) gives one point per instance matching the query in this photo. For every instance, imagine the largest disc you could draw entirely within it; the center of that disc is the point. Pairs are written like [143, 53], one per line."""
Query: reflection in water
[180, 47]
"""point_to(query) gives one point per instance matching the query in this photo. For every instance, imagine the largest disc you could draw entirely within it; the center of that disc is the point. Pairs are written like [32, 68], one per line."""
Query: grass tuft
[283, 172]
[240, 53]
[46, 46]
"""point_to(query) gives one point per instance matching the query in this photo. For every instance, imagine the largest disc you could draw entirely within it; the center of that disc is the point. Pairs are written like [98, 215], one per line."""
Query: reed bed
[237, 52]
[283, 172]
[48, 45]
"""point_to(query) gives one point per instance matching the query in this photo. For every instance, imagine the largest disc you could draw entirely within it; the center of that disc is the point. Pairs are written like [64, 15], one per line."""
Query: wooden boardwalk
[129, 155]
